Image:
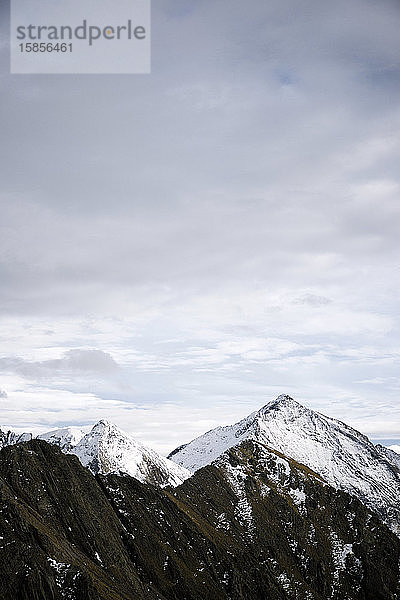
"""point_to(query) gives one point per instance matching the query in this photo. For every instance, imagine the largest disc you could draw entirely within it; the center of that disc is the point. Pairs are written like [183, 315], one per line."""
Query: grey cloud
[251, 178]
[95, 362]
[88, 360]
[3, 394]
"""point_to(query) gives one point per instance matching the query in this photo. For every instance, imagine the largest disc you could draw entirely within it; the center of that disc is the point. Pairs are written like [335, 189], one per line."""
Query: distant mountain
[8, 437]
[341, 455]
[254, 525]
[66, 438]
[107, 449]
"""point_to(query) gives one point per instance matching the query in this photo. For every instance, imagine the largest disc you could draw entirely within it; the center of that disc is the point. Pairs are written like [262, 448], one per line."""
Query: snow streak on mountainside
[107, 449]
[341, 455]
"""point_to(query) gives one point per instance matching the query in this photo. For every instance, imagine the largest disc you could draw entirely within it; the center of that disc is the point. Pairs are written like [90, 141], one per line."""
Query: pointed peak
[106, 429]
[282, 402]
[102, 426]
[103, 423]
[285, 399]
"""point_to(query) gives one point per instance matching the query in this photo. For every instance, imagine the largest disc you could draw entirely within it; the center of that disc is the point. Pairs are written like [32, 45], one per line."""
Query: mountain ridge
[253, 525]
[106, 448]
[343, 456]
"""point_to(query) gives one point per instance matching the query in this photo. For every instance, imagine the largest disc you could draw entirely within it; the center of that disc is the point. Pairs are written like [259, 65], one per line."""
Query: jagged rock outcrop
[8, 437]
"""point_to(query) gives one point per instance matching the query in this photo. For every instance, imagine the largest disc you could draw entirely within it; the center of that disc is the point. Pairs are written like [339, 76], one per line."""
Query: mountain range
[287, 504]
[107, 449]
[254, 525]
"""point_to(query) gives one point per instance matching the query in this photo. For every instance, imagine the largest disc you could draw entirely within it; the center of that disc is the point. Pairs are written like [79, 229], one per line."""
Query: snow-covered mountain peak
[103, 424]
[283, 405]
[344, 457]
[104, 427]
[66, 437]
[108, 449]
[283, 400]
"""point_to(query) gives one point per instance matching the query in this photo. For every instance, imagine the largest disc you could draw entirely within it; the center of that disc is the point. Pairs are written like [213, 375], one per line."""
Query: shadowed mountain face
[252, 526]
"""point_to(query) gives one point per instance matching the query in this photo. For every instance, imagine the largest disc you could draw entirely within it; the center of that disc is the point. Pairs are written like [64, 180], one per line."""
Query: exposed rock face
[343, 456]
[254, 525]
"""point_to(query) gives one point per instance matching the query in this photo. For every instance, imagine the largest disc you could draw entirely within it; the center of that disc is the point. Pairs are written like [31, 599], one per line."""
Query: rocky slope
[108, 449]
[392, 456]
[342, 455]
[254, 525]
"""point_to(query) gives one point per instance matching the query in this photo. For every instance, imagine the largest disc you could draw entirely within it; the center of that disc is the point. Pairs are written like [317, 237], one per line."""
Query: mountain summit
[108, 449]
[344, 457]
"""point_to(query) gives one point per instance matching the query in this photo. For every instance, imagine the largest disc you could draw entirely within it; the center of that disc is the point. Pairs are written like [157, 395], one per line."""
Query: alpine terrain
[254, 525]
[66, 438]
[105, 449]
[345, 458]
[287, 504]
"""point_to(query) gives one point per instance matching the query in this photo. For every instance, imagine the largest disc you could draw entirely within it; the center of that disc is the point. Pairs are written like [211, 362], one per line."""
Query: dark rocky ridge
[253, 526]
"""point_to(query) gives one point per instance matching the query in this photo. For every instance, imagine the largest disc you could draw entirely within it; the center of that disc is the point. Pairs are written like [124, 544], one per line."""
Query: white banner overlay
[75, 36]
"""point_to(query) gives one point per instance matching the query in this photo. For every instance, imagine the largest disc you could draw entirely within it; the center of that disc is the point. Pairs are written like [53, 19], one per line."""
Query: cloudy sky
[177, 249]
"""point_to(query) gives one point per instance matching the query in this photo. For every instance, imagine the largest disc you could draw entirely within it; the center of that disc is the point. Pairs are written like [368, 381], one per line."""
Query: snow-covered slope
[66, 438]
[389, 454]
[395, 448]
[107, 449]
[8, 437]
[341, 455]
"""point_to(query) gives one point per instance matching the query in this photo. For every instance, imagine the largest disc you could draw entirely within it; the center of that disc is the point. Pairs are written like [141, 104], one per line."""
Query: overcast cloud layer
[179, 248]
